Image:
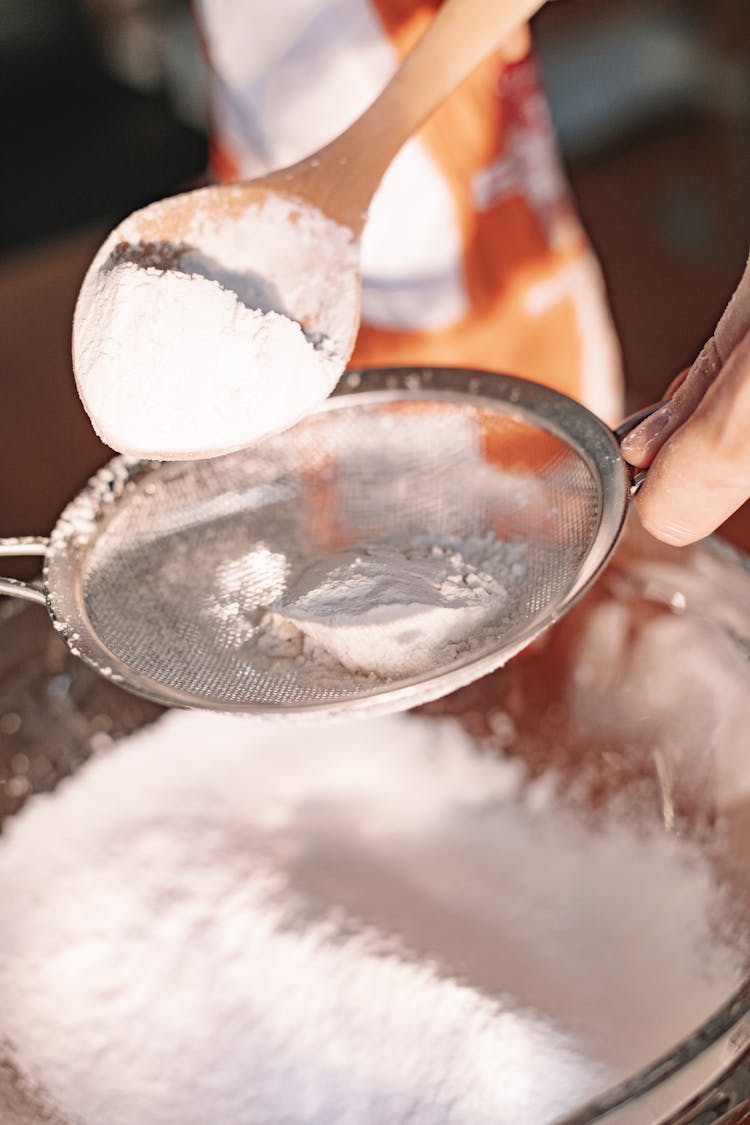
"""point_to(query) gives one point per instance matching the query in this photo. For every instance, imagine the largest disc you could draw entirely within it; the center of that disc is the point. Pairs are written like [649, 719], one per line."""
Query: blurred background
[104, 109]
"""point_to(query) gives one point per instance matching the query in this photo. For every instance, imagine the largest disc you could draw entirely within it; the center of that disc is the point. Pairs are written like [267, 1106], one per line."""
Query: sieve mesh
[175, 580]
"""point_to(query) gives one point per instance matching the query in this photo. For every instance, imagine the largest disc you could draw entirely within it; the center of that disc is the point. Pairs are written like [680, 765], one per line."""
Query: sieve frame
[88, 514]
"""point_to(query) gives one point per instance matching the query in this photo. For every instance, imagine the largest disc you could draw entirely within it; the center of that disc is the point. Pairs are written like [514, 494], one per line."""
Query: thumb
[701, 475]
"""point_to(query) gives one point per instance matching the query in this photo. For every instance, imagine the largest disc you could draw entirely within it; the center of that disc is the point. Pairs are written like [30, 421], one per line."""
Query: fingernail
[640, 441]
[672, 533]
[676, 536]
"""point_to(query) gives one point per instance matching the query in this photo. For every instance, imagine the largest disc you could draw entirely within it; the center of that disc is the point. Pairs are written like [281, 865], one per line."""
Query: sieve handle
[21, 547]
[637, 477]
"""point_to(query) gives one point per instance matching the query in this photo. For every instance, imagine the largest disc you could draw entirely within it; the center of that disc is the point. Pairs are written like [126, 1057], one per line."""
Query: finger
[702, 474]
[636, 452]
[687, 390]
[735, 320]
[517, 46]
[641, 446]
[677, 382]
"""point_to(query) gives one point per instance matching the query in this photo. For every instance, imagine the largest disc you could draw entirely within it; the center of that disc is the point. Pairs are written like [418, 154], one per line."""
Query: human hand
[517, 46]
[697, 446]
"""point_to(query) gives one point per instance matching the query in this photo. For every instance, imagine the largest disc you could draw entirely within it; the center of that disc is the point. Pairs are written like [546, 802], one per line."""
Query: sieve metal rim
[88, 514]
[557, 413]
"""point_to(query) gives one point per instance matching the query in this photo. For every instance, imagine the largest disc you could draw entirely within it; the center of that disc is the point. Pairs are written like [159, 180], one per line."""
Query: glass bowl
[562, 844]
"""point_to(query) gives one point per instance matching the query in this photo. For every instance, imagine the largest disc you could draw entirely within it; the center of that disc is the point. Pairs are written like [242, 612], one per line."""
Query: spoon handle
[461, 34]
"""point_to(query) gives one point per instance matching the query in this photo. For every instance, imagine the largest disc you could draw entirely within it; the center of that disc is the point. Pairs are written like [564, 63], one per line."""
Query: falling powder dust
[208, 345]
[232, 922]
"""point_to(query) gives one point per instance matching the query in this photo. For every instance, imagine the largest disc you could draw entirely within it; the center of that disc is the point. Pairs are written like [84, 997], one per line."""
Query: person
[473, 253]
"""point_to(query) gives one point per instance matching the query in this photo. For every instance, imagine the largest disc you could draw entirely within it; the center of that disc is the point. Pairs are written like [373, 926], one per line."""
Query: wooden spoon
[338, 182]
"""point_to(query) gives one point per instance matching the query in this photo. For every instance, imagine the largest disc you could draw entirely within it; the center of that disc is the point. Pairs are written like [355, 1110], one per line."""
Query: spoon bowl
[176, 341]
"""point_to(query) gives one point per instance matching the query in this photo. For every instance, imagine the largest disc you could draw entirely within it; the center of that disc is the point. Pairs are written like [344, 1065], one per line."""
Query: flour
[393, 610]
[222, 921]
[205, 345]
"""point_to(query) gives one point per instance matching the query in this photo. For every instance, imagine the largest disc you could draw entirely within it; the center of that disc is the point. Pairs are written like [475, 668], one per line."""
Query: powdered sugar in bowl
[526, 904]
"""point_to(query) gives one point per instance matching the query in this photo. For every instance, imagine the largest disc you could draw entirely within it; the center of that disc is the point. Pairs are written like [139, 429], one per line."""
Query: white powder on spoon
[203, 346]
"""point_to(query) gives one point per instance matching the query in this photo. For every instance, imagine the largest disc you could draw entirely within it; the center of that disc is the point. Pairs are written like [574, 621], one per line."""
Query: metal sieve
[159, 574]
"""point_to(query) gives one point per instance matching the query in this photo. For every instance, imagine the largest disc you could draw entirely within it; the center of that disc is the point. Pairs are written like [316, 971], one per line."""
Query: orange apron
[473, 254]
